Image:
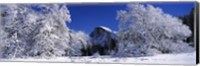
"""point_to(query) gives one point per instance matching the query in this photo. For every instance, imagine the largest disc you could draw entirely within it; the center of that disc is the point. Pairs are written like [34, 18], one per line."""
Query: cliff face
[104, 40]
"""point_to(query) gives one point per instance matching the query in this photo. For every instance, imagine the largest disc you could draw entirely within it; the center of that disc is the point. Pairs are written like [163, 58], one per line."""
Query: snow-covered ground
[184, 58]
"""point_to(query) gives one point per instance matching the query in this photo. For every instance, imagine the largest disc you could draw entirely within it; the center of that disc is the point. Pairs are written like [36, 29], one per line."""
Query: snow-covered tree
[51, 36]
[189, 21]
[147, 30]
[37, 30]
[79, 41]
[11, 23]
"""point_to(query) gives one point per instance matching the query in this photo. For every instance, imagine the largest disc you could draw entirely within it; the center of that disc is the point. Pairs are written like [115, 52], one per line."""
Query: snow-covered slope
[106, 28]
[184, 58]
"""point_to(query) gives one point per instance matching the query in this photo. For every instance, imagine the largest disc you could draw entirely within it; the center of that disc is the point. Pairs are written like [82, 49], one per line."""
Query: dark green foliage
[189, 21]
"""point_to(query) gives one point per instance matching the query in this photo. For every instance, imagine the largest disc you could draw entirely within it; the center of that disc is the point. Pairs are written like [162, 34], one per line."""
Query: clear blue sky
[85, 17]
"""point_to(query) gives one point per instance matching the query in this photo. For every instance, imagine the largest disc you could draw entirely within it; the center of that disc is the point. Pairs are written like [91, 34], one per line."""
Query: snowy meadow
[145, 35]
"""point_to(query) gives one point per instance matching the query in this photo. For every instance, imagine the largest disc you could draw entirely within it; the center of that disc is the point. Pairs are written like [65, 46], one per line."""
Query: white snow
[144, 29]
[184, 58]
[115, 32]
[26, 32]
[106, 28]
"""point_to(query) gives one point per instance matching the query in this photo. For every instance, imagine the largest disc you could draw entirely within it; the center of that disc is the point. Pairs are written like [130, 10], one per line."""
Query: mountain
[103, 40]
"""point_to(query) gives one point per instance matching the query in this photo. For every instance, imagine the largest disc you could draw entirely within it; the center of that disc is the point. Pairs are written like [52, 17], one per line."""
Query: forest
[39, 31]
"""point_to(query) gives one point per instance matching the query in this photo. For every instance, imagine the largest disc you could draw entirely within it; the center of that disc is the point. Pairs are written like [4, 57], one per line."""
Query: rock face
[103, 40]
